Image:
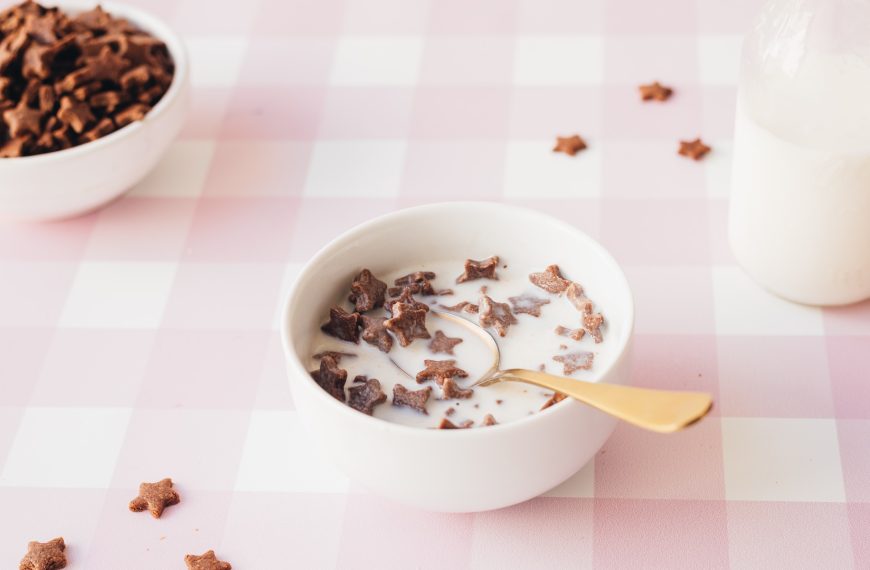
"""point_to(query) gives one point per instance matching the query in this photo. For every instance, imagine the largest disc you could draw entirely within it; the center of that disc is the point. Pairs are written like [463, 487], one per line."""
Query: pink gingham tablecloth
[141, 341]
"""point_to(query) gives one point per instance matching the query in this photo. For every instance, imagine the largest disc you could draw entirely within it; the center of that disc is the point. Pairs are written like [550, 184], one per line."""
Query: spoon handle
[664, 411]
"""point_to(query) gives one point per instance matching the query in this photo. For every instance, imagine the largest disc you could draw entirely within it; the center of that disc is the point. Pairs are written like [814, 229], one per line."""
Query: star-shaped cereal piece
[337, 356]
[367, 291]
[331, 378]
[550, 280]
[496, 315]
[439, 371]
[407, 323]
[417, 282]
[14, 147]
[155, 497]
[575, 294]
[574, 361]
[576, 334]
[414, 399]
[554, 399]
[22, 120]
[592, 323]
[489, 420]
[569, 145]
[450, 390]
[693, 149]
[482, 269]
[206, 561]
[107, 66]
[462, 306]
[365, 394]
[75, 114]
[375, 333]
[655, 91]
[44, 555]
[528, 304]
[408, 298]
[342, 325]
[443, 344]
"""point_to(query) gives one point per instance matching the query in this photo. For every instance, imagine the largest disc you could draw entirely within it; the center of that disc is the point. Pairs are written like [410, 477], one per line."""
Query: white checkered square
[215, 61]
[553, 60]
[357, 168]
[719, 59]
[377, 61]
[181, 173]
[533, 170]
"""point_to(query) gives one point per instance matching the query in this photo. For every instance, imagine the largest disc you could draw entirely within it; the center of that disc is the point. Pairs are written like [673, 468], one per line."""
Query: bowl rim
[154, 26]
[560, 408]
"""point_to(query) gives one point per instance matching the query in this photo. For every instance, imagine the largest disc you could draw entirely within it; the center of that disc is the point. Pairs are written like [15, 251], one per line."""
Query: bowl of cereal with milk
[383, 334]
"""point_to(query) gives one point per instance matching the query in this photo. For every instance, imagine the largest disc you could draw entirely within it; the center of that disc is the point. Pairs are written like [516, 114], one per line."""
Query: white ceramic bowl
[79, 179]
[455, 470]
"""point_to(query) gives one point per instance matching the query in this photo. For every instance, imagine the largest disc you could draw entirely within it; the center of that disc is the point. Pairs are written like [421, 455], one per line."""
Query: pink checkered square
[501, 537]
[386, 16]
[241, 230]
[849, 320]
[366, 113]
[849, 369]
[538, 112]
[485, 17]
[656, 232]
[637, 464]
[652, 18]
[273, 392]
[479, 60]
[258, 522]
[301, 61]
[733, 17]
[58, 241]
[808, 535]
[204, 17]
[719, 108]
[208, 108]
[559, 17]
[275, 112]
[203, 369]
[647, 533]
[775, 377]
[584, 214]
[859, 522]
[108, 366]
[676, 362]
[208, 296]
[199, 449]
[436, 170]
[720, 248]
[369, 519]
[634, 60]
[33, 294]
[853, 436]
[460, 113]
[672, 300]
[247, 169]
[23, 354]
[293, 18]
[141, 229]
[651, 170]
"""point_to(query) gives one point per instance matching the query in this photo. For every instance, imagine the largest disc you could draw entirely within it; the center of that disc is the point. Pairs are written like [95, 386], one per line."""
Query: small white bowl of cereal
[90, 99]
[376, 377]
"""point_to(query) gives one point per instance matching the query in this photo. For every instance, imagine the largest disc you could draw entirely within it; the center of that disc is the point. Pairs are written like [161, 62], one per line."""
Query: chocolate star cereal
[44, 555]
[418, 282]
[367, 291]
[65, 81]
[462, 306]
[155, 497]
[528, 304]
[365, 396]
[414, 399]
[496, 315]
[407, 323]
[439, 371]
[337, 356]
[592, 324]
[550, 280]
[489, 420]
[569, 145]
[447, 424]
[450, 390]
[576, 334]
[574, 361]
[554, 399]
[441, 343]
[655, 91]
[483, 269]
[408, 298]
[342, 325]
[331, 378]
[206, 561]
[575, 294]
[696, 150]
[375, 333]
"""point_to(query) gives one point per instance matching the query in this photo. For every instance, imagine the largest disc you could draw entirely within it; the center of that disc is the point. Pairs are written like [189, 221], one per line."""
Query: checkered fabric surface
[141, 341]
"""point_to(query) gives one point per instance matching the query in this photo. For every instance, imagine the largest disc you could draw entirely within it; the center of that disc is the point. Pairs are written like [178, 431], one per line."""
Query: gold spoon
[664, 411]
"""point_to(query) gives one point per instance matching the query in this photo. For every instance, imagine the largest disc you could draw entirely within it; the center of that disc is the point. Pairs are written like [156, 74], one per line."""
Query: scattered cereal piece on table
[155, 497]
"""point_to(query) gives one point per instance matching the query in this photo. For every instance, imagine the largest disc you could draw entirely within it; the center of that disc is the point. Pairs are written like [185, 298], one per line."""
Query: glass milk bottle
[800, 202]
